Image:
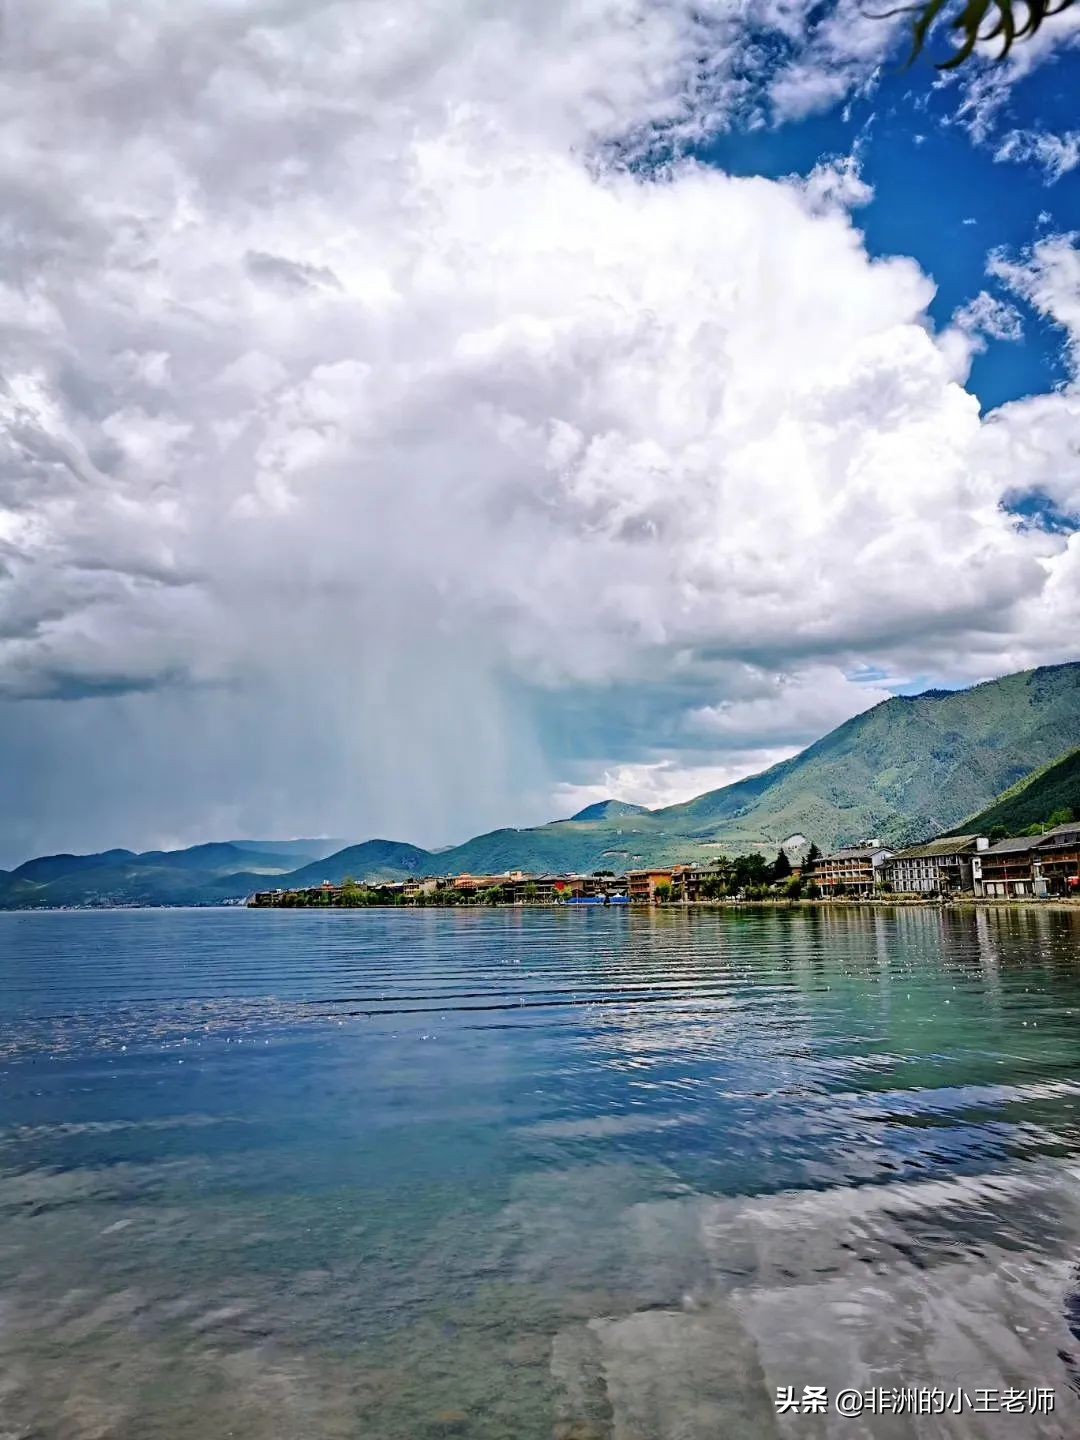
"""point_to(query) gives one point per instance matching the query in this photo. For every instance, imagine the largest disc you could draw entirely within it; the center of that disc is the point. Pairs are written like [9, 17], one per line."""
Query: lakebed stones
[885, 1286]
[661, 1375]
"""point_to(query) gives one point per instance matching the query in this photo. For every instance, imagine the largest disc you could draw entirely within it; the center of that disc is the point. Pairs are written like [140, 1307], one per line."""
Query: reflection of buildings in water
[989, 953]
[769, 992]
[986, 938]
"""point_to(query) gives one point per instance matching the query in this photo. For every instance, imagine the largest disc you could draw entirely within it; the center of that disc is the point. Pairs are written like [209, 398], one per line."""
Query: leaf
[970, 22]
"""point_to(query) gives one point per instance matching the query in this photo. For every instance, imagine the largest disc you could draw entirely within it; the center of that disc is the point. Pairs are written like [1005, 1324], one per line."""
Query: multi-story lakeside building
[855, 870]
[940, 867]
[1031, 865]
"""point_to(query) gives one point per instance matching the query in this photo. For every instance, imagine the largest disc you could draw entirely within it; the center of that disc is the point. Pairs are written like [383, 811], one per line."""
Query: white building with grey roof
[940, 867]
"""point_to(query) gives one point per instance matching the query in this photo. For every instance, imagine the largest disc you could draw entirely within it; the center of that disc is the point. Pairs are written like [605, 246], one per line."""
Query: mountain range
[911, 767]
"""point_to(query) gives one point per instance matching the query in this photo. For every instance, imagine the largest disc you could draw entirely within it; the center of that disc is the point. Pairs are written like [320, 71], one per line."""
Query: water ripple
[508, 1175]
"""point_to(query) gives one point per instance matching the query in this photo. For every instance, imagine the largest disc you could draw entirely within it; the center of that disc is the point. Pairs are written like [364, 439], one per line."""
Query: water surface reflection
[534, 1173]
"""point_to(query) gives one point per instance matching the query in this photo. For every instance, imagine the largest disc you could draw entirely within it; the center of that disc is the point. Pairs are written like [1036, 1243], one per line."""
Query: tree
[998, 832]
[781, 868]
[750, 870]
[532, 894]
[811, 855]
[1062, 816]
[662, 891]
[1012, 23]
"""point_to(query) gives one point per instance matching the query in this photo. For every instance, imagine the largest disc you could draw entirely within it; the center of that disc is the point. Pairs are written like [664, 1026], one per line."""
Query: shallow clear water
[519, 1174]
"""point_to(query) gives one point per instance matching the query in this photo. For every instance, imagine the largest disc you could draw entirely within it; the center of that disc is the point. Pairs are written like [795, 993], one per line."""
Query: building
[521, 889]
[425, 886]
[689, 881]
[642, 885]
[856, 870]
[1008, 869]
[472, 886]
[940, 867]
[1058, 859]
[1031, 865]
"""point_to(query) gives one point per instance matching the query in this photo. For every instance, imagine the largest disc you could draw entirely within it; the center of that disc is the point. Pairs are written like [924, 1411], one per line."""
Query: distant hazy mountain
[47, 868]
[1032, 802]
[155, 877]
[221, 857]
[609, 810]
[911, 767]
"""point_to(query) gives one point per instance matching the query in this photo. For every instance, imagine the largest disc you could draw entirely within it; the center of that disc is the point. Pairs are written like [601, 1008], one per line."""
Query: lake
[571, 1174]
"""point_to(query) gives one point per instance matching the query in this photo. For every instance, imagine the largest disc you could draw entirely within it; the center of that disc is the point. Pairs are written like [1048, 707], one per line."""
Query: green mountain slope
[1033, 801]
[609, 810]
[373, 860]
[910, 767]
[300, 852]
[560, 846]
[220, 858]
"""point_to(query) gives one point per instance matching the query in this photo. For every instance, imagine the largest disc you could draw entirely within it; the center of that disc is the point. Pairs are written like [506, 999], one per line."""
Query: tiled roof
[1063, 837]
[1059, 836]
[855, 852]
[950, 845]
[1014, 845]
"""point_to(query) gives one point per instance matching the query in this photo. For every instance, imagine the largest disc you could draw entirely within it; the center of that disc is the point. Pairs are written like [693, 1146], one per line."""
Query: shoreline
[877, 902]
[894, 902]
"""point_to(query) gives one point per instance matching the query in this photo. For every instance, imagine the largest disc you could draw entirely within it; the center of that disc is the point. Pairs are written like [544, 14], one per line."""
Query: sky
[418, 416]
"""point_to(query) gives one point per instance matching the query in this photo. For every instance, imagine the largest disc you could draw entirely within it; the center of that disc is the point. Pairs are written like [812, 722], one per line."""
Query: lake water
[579, 1175]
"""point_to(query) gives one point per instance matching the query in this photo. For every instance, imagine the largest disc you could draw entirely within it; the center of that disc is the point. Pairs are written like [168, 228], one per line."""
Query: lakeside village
[1038, 866]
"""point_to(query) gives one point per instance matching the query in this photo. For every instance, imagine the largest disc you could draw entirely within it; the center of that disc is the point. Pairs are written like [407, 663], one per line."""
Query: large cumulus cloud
[368, 403]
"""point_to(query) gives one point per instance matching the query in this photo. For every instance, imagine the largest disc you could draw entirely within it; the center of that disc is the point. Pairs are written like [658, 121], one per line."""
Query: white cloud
[1048, 277]
[784, 708]
[353, 396]
[663, 782]
[985, 88]
[985, 317]
[1055, 155]
[839, 56]
[1035, 440]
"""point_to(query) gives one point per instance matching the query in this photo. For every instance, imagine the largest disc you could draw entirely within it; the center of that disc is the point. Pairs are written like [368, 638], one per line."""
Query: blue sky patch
[942, 197]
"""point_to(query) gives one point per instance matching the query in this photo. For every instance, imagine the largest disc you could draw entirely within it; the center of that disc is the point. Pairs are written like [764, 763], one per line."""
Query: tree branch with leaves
[977, 22]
